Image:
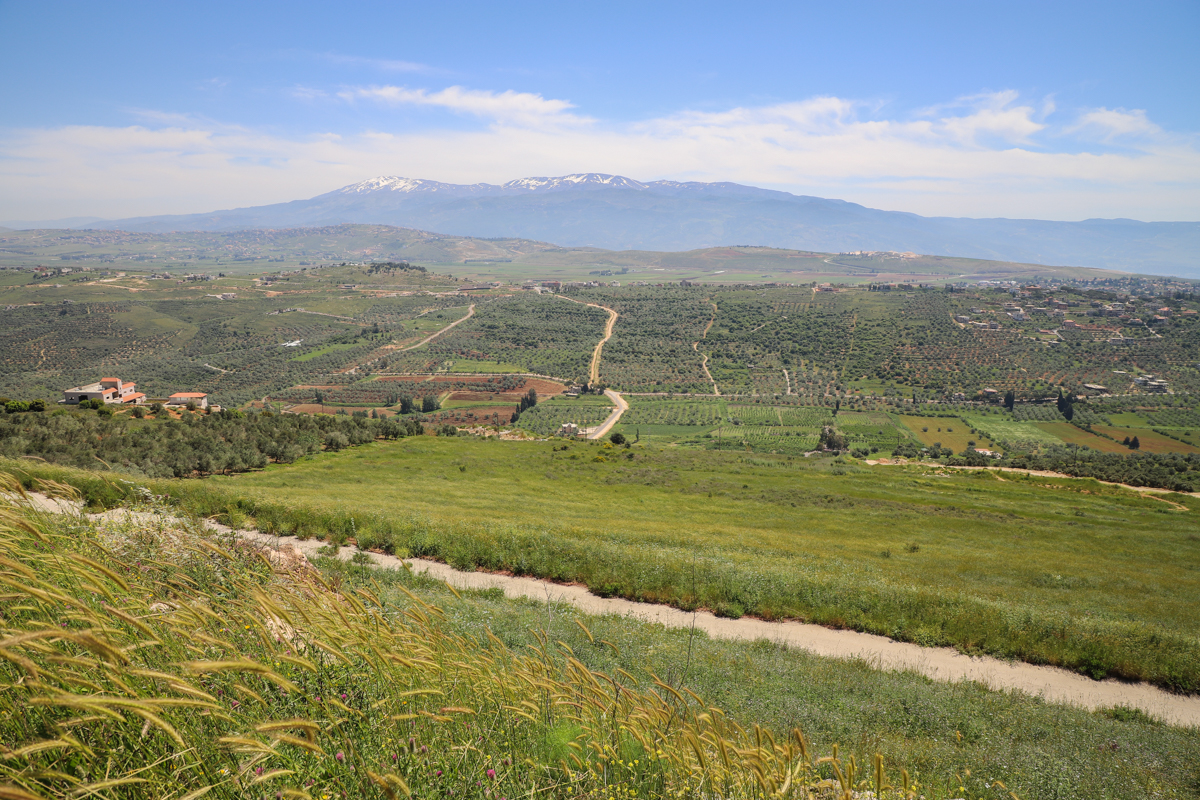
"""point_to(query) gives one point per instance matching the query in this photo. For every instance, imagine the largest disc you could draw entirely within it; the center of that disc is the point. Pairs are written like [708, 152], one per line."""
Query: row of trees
[223, 442]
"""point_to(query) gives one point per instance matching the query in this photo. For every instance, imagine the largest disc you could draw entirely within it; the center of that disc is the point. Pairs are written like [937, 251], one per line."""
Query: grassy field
[1068, 572]
[1150, 441]
[947, 431]
[1066, 432]
[434, 689]
[482, 367]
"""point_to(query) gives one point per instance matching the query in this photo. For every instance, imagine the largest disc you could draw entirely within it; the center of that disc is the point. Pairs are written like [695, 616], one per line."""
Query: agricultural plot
[1006, 432]
[1072, 435]
[951, 432]
[685, 414]
[547, 417]
[651, 346]
[544, 335]
[764, 439]
[869, 429]
[1150, 440]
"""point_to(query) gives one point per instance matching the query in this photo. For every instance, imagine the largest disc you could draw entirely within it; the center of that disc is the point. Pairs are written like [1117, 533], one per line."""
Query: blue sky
[1047, 110]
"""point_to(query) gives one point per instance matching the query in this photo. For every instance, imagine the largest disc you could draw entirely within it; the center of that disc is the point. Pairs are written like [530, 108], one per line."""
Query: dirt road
[606, 426]
[941, 664]
[594, 370]
[1036, 472]
[432, 336]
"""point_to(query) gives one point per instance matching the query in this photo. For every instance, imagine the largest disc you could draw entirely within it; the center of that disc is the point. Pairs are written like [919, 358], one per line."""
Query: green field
[949, 432]
[1073, 573]
[331, 348]
[408, 648]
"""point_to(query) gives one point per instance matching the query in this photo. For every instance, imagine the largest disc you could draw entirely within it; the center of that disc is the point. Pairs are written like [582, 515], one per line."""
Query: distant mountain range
[617, 213]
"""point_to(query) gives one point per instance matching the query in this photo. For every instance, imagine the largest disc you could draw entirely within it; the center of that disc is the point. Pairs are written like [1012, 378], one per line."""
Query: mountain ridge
[618, 213]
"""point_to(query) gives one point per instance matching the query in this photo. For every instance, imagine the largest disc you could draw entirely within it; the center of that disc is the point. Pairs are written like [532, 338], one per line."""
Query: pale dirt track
[594, 372]
[431, 337]
[1036, 472]
[938, 663]
[594, 369]
[606, 426]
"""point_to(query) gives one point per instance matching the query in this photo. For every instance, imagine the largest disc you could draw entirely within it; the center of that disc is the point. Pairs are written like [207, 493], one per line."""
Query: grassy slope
[1064, 572]
[937, 731]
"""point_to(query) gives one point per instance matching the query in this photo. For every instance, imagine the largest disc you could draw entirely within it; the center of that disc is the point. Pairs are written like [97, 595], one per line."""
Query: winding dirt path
[1042, 473]
[594, 369]
[704, 356]
[942, 664]
[432, 336]
[606, 426]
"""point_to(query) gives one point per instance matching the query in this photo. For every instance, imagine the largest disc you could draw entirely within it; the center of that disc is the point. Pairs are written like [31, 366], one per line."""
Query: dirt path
[1041, 473]
[787, 378]
[704, 359]
[605, 426]
[594, 369]
[704, 366]
[432, 336]
[941, 664]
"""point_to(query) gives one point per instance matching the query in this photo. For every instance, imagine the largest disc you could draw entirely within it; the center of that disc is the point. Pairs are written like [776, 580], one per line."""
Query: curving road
[594, 371]
[606, 426]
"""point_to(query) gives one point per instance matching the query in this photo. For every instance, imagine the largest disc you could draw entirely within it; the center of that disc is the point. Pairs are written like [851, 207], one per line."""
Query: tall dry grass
[149, 661]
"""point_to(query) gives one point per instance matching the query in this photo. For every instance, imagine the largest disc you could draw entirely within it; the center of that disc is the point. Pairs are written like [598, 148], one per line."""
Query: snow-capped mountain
[615, 212]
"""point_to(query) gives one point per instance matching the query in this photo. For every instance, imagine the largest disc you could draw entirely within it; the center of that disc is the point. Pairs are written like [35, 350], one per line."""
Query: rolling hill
[616, 213]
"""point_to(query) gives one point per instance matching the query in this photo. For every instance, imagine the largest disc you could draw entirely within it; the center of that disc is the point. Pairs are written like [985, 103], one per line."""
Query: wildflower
[491, 773]
[340, 756]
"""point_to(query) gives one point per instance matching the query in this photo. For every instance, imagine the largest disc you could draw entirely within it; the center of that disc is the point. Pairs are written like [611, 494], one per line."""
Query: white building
[109, 390]
[183, 398]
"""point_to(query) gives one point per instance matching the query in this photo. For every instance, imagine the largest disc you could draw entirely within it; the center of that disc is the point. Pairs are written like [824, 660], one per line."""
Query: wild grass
[946, 734]
[138, 663]
[767, 536]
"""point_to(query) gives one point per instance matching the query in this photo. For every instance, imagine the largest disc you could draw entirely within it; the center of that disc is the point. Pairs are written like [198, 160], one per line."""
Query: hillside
[252, 251]
[613, 212]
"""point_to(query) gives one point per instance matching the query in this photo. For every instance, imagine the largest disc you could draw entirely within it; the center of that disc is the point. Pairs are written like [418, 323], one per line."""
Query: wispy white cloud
[510, 107]
[990, 155]
[1115, 123]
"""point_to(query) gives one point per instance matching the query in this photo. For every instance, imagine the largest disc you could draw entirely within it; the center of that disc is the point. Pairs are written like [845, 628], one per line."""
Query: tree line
[224, 442]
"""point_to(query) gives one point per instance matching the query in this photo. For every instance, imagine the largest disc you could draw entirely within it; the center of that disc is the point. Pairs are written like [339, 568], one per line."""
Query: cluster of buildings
[114, 391]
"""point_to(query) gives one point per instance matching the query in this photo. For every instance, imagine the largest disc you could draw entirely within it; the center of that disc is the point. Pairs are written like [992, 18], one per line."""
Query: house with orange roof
[112, 391]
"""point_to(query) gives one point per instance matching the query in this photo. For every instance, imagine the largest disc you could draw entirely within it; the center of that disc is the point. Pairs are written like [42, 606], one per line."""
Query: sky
[1050, 110]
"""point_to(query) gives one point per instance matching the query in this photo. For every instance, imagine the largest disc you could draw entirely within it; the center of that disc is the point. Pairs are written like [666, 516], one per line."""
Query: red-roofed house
[109, 390]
